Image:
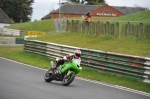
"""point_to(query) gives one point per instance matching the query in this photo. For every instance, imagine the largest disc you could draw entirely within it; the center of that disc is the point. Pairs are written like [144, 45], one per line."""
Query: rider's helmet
[77, 53]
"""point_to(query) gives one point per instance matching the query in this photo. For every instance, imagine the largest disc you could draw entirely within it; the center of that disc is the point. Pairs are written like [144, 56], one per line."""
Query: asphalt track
[21, 81]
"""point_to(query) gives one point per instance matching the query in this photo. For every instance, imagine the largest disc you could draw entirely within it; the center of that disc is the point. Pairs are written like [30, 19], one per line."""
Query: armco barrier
[119, 64]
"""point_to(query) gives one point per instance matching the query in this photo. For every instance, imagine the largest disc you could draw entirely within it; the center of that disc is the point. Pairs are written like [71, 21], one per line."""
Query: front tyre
[48, 76]
[67, 80]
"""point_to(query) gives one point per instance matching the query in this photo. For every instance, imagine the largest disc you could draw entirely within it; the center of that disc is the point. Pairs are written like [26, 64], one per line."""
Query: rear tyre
[67, 80]
[48, 76]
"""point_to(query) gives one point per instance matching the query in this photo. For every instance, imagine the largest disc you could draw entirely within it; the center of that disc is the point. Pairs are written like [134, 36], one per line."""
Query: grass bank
[44, 26]
[18, 54]
[106, 43]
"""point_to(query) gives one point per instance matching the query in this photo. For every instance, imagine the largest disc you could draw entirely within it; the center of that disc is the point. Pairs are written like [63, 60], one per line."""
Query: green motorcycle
[65, 73]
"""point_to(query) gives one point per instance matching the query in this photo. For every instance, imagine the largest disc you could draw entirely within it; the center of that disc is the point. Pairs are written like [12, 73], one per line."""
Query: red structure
[78, 10]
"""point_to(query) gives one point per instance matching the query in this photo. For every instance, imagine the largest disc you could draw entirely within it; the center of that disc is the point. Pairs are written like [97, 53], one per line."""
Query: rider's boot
[54, 67]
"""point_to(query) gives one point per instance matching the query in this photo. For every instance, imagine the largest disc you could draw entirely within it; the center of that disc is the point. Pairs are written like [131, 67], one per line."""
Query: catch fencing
[119, 64]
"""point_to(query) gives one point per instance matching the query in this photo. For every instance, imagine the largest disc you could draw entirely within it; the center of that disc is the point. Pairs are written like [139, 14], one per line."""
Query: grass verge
[105, 43]
[18, 54]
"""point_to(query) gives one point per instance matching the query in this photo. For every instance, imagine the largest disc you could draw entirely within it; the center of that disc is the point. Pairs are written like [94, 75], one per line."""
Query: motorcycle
[65, 73]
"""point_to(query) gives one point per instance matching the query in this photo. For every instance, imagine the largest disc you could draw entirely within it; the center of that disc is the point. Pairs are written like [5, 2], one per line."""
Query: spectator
[88, 18]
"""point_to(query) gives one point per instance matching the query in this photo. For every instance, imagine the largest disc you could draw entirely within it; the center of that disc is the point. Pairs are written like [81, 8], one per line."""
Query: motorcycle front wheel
[67, 80]
[48, 76]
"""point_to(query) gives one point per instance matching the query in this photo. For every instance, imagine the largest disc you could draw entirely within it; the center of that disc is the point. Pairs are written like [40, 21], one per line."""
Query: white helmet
[77, 53]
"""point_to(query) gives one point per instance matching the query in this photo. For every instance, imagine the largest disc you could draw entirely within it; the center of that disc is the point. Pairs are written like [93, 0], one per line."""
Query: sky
[43, 7]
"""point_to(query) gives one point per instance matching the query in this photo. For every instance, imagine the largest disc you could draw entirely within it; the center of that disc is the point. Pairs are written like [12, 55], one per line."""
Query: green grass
[143, 16]
[108, 44]
[17, 54]
[113, 79]
[44, 26]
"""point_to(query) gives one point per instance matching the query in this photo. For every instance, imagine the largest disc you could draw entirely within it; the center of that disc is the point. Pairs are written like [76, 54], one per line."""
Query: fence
[60, 25]
[119, 64]
[115, 29]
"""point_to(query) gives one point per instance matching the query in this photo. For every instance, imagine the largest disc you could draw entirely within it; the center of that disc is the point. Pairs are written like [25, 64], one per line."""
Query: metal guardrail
[119, 64]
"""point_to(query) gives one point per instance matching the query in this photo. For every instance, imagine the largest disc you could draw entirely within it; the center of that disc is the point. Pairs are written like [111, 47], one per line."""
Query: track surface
[19, 81]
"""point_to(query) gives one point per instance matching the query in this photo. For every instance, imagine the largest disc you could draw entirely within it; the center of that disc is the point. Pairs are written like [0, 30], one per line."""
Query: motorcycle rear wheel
[68, 80]
[48, 76]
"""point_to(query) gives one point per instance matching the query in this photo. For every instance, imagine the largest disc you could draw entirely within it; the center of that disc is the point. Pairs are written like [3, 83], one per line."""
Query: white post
[59, 9]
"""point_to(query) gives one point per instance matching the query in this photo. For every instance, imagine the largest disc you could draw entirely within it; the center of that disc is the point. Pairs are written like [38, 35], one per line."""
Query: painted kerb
[119, 64]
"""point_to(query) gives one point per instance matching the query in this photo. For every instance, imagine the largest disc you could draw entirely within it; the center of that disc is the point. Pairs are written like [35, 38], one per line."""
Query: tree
[89, 2]
[95, 2]
[17, 9]
[74, 1]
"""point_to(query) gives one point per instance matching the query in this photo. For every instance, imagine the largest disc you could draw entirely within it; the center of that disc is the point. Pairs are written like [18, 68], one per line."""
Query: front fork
[68, 74]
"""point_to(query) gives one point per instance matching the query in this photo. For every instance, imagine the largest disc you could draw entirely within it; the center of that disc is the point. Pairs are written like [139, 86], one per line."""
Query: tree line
[17, 10]
[89, 2]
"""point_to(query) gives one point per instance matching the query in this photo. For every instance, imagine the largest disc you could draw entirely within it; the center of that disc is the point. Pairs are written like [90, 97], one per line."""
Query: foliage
[12, 21]
[74, 1]
[89, 2]
[95, 2]
[17, 9]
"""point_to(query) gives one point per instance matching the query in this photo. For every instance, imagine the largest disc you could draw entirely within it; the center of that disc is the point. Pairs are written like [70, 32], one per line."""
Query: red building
[78, 10]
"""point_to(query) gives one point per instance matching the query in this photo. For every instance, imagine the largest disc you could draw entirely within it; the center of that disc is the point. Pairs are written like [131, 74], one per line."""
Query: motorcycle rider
[69, 57]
